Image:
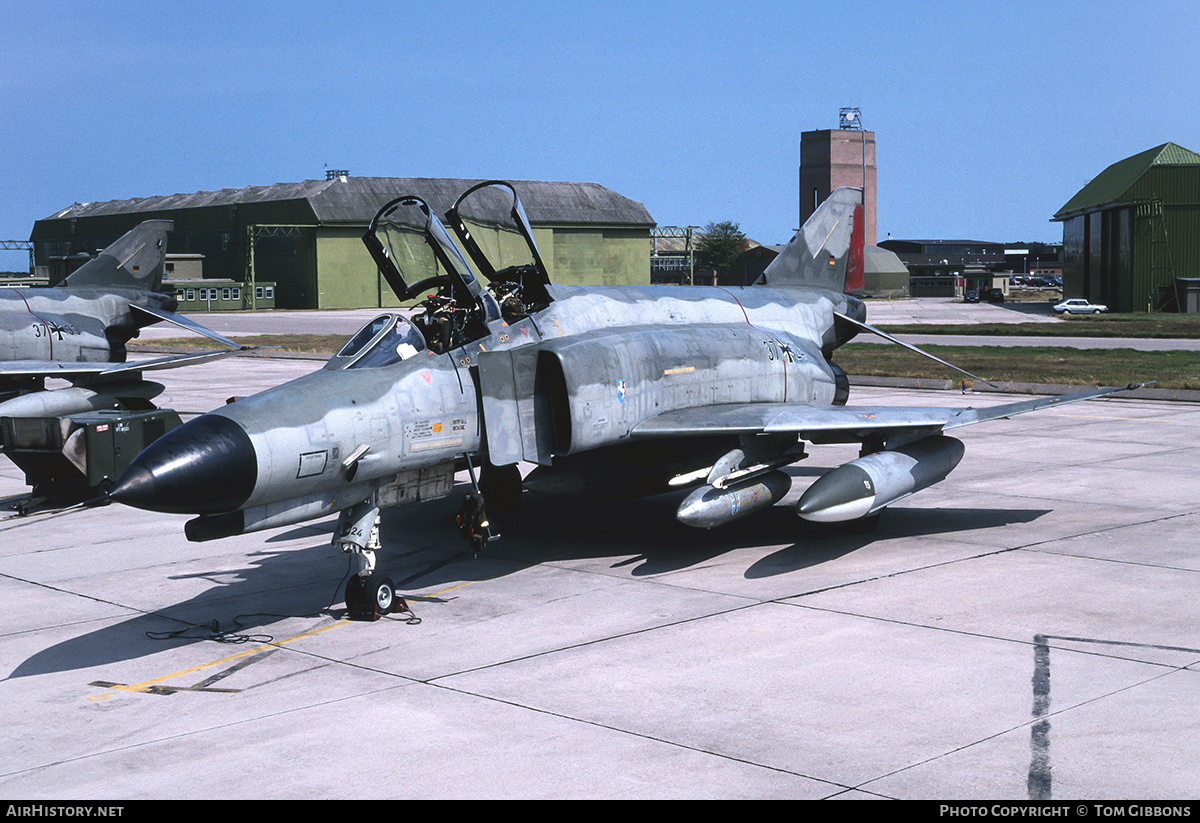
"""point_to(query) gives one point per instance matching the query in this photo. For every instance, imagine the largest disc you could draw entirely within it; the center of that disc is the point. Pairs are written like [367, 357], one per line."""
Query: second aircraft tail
[134, 261]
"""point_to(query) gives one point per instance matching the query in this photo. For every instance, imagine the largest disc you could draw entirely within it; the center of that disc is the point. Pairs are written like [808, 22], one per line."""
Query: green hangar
[306, 237]
[1131, 237]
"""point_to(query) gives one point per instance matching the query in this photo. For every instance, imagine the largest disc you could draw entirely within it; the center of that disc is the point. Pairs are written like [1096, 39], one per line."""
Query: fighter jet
[609, 392]
[78, 331]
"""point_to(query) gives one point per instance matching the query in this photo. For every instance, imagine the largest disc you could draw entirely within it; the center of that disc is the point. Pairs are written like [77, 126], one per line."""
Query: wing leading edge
[850, 421]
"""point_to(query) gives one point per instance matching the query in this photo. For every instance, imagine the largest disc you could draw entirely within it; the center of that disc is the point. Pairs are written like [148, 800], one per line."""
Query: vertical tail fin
[827, 252]
[134, 261]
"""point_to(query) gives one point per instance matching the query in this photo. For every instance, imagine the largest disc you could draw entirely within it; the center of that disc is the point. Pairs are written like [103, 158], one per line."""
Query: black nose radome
[206, 466]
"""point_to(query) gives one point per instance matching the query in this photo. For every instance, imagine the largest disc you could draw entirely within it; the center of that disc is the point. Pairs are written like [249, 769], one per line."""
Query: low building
[749, 265]
[951, 268]
[884, 274]
[205, 295]
[1035, 259]
[673, 254]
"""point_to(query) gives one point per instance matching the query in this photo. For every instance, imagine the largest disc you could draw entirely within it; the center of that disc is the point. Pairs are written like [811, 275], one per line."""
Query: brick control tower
[838, 157]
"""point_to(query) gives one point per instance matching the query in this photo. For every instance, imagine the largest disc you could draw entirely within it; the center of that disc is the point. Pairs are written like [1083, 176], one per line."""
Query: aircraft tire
[354, 592]
[377, 594]
[382, 593]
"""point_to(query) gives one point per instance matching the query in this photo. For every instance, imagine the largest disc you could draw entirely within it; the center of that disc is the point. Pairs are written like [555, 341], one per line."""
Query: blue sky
[988, 117]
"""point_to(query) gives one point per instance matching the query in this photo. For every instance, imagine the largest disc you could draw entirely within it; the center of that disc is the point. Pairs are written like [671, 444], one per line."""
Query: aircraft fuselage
[78, 325]
[609, 392]
[576, 377]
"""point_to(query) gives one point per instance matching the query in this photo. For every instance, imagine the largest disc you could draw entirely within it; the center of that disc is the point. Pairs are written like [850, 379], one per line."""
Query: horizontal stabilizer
[186, 323]
[866, 327]
[135, 261]
[968, 416]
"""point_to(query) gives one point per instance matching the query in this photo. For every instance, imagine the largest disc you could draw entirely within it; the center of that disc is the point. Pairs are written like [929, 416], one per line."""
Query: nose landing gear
[370, 594]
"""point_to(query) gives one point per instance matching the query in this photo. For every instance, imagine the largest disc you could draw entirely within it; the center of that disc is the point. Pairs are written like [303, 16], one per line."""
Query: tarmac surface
[1025, 629]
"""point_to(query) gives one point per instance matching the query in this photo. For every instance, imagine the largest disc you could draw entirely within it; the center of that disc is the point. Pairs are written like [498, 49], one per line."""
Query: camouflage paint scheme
[609, 391]
[78, 331]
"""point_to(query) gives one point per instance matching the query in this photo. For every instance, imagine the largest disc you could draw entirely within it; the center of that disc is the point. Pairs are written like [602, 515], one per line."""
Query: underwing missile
[709, 507]
[868, 484]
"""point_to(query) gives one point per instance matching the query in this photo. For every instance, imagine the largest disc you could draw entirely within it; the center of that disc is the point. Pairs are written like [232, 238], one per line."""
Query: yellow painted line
[145, 684]
[680, 370]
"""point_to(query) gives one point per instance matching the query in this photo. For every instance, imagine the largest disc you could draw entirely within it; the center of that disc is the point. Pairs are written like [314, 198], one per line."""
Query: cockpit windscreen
[387, 339]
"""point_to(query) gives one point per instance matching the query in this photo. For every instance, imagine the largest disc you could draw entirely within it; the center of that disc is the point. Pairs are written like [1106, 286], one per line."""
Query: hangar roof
[356, 199]
[1109, 185]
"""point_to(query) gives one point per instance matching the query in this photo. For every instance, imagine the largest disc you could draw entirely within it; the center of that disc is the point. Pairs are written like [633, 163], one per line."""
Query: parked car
[1077, 305]
[971, 297]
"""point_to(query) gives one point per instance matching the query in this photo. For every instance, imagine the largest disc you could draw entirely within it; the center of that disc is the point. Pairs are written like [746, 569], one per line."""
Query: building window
[225, 293]
[191, 294]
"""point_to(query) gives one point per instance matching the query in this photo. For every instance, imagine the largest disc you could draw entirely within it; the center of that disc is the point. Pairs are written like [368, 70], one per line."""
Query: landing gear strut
[369, 593]
[472, 518]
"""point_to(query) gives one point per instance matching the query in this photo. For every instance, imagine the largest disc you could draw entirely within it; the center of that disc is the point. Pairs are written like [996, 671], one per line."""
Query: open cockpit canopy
[417, 255]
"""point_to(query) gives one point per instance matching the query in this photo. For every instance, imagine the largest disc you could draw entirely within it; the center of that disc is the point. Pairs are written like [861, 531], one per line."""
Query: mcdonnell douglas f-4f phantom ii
[78, 331]
[611, 392]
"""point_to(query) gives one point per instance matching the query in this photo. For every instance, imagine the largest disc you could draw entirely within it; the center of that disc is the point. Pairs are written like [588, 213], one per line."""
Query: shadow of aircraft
[641, 536]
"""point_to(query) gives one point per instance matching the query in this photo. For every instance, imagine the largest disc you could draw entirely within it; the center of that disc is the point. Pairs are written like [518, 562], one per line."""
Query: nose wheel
[371, 597]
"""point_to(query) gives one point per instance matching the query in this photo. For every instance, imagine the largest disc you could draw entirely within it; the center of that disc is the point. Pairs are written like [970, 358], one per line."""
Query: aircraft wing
[74, 371]
[809, 421]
